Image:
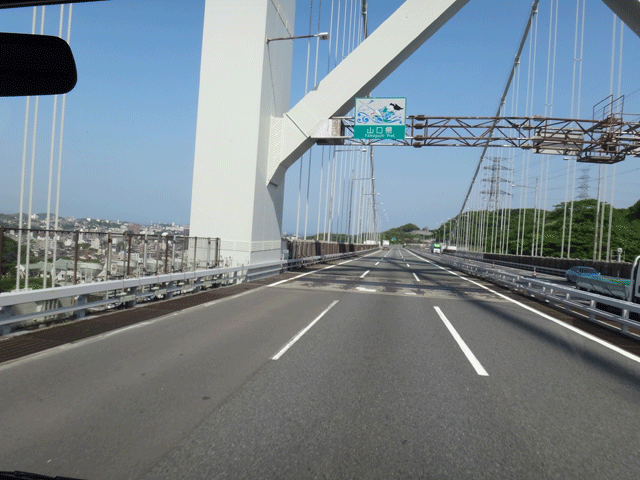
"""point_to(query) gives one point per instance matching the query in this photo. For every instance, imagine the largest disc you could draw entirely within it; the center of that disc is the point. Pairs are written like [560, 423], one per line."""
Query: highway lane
[110, 406]
[378, 387]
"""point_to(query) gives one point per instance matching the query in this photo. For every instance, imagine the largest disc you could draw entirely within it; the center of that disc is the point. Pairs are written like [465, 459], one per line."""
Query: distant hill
[409, 233]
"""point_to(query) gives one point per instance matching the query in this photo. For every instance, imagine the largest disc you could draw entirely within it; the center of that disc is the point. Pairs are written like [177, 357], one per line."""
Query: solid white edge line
[465, 349]
[78, 343]
[302, 332]
[414, 274]
[102, 336]
[604, 343]
[363, 275]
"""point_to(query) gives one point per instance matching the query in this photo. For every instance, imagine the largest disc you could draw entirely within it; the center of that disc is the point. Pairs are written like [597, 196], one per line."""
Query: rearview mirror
[35, 65]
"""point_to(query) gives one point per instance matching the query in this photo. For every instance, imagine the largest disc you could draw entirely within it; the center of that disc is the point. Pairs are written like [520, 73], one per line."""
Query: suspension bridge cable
[534, 8]
[330, 38]
[33, 164]
[315, 69]
[326, 196]
[602, 184]
[320, 192]
[51, 154]
[578, 105]
[613, 176]
[24, 163]
[550, 106]
[306, 208]
[60, 141]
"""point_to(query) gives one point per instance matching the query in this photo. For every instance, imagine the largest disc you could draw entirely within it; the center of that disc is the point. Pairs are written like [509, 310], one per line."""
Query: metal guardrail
[522, 266]
[570, 299]
[26, 307]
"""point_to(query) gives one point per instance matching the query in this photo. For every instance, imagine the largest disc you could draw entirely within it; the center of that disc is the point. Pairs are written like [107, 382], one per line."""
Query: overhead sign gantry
[607, 140]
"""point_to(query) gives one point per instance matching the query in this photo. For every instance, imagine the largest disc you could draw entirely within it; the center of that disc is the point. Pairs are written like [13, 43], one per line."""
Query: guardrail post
[169, 290]
[197, 284]
[109, 246]
[592, 313]
[624, 328]
[81, 300]
[76, 236]
[132, 303]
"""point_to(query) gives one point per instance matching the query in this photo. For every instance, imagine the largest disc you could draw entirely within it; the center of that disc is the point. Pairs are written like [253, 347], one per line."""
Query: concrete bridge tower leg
[244, 83]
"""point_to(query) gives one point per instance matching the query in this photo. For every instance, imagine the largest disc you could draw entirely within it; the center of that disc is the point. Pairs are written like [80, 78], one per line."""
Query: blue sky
[130, 122]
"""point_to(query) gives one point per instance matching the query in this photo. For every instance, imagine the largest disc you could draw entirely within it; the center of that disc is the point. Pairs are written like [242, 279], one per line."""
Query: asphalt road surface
[386, 366]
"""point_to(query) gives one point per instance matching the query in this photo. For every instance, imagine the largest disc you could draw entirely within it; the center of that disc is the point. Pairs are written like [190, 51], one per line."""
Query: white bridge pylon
[238, 182]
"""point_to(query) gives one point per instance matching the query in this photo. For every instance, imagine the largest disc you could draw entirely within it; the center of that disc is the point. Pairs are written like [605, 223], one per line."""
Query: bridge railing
[60, 258]
[25, 308]
[590, 306]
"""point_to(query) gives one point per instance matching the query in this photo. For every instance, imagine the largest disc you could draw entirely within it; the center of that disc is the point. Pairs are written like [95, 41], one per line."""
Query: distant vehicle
[436, 248]
[623, 288]
[572, 274]
[385, 244]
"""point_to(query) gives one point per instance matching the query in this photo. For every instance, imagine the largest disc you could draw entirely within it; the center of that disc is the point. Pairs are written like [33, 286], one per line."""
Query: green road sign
[379, 118]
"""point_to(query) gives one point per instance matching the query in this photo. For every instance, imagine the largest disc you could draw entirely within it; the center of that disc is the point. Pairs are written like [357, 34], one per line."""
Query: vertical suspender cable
[51, 153]
[306, 208]
[534, 239]
[333, 189]
[320, 192]
[315, 82]
[24, 163]
[335, 57]
[597, 236]
[347, 217]
[613, 176]
[534, 8]
[604, 195]
[353, 24]
[299, 194]
[604, 206]
[344, 28]
[306, 89]
[64, 104]
[573, 86]
[33, 163]
[315, 70]
[326, 196]
[578, 100]
[551, 99]
[330, 39]
[343, 161]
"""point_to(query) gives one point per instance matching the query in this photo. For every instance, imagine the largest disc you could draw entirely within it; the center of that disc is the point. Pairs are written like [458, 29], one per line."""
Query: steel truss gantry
[608, 140]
